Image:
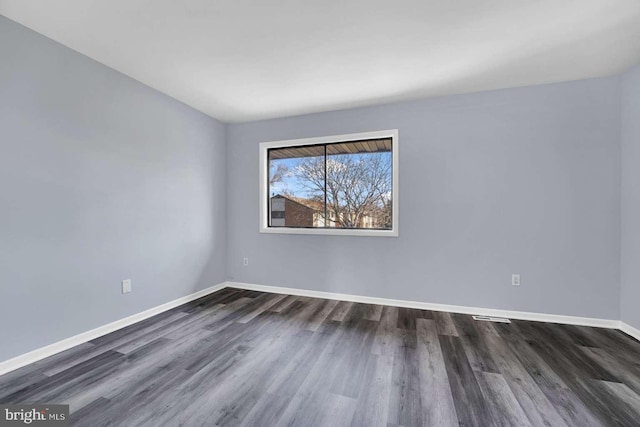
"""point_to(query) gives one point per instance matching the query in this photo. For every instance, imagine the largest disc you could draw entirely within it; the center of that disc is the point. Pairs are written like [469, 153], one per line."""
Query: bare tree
[356, 184]
[277, 172]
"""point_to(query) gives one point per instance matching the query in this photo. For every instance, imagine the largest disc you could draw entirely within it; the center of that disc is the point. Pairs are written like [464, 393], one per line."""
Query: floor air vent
[492, 319]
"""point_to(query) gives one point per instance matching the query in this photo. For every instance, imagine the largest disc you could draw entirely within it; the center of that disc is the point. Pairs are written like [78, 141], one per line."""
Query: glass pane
[359, 184]
[296, 186]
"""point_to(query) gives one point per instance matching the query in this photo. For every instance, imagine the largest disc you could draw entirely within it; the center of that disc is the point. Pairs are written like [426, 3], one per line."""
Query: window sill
[330, 232]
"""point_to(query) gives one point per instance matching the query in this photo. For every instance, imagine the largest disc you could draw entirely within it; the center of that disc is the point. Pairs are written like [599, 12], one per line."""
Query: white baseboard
[521, 315]
[630, 330]
[57, 347]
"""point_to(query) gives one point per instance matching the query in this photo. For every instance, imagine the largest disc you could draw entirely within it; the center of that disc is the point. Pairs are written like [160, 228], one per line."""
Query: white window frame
[264, 184]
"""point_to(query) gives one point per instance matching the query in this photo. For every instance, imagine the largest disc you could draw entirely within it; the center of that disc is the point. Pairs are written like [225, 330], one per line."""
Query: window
[344, 185]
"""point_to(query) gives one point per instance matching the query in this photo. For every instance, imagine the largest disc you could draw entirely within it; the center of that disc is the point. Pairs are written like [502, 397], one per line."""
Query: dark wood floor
[240, 358]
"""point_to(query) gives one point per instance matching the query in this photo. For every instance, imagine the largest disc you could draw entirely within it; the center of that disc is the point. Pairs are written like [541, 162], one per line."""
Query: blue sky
[289, 183]
[292, 184]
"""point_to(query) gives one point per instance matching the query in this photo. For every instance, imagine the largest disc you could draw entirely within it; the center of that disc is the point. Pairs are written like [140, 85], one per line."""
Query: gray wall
[630, 294]
[101, 179]
[514, 181]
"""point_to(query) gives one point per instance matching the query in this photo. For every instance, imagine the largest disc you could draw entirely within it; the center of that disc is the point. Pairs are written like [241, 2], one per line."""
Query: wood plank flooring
[245, 358]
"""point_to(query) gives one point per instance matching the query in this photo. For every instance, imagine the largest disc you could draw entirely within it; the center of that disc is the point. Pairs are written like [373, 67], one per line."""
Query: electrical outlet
[515, 280]
[126, 286]
[245, 261]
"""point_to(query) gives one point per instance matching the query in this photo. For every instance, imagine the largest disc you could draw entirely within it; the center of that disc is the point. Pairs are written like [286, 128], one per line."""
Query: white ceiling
[240, 60]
